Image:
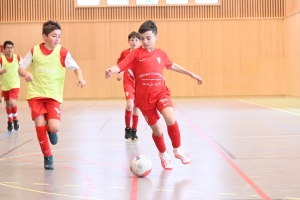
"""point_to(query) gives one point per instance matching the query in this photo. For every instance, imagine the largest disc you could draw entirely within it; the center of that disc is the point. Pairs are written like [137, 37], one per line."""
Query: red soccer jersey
[148, 69]
[128, 79]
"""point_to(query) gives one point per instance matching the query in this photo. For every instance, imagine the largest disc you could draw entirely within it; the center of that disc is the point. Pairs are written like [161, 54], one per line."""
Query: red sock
[135, 120]
[174, 134]
[43, 140]
[159, 142]
[14, 111]
[9, 114]
[127, 118]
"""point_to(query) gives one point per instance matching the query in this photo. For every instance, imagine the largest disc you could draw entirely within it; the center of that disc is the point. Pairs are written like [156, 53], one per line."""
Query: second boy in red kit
[131, 112]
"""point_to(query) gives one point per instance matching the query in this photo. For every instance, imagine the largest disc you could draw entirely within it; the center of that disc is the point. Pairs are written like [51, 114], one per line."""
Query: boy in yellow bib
[9, 65]
[45, 79]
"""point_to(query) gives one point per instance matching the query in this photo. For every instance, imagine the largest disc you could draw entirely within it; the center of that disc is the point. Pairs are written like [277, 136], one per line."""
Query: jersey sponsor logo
[163, 100]
[166, 104]
[46, 71]
[158, 60]
[142, 60]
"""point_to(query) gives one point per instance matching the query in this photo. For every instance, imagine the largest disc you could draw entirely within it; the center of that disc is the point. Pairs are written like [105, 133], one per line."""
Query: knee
[170, 121]
[157, 133]
[135, 111]
[54, 129]
[129, 106]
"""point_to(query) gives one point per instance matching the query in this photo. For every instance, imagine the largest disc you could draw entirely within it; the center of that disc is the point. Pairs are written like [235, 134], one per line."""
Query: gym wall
[238, 47]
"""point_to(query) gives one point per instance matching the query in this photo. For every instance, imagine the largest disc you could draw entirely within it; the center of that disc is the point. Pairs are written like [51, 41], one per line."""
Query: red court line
[227, 158]
[134, 188]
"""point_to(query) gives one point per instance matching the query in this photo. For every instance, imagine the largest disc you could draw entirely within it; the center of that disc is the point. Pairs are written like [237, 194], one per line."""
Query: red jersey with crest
[147, 68]
[128, 77]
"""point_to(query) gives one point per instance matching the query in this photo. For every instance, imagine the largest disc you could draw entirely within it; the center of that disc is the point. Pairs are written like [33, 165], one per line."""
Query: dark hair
[50, 26]
[6, 43]
[148, 26]
[134, 34]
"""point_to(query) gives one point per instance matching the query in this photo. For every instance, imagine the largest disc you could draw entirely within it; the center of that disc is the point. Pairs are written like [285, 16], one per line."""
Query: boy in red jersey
[9, 65]
[129, 88]
[147, 64]
[45, 78]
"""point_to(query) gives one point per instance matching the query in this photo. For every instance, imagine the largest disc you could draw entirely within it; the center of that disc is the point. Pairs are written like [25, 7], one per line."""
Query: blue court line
[5, 134]
[10, 133]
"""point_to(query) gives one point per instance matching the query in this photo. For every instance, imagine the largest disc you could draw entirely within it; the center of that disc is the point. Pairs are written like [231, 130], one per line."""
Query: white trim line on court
[269, 107]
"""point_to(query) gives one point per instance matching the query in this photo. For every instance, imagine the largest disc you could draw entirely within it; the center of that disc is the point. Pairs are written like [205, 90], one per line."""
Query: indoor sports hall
[241, 128]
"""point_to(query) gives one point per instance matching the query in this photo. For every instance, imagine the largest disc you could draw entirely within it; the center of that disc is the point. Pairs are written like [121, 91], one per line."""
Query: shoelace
[182, 152]
[166, 158]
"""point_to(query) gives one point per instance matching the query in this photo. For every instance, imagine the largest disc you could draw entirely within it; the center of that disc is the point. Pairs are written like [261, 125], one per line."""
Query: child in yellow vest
[45, 79]
[9, 65]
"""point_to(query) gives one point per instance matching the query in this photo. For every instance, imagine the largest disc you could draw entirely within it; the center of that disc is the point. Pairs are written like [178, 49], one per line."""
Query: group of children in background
[144, 85]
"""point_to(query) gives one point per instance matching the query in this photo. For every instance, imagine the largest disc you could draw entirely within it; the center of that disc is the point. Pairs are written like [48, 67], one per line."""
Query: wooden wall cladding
[66, 10]
[292, 7]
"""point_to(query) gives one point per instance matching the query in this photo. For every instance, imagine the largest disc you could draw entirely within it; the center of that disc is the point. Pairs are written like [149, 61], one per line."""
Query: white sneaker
[165, 160]
[181, 154]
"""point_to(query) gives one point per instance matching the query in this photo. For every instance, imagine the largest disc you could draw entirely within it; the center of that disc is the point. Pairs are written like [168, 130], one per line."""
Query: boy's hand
[198, 78]
[4, 71]
[28, 77]
[108, 73]
[81, 83]
[119, 77]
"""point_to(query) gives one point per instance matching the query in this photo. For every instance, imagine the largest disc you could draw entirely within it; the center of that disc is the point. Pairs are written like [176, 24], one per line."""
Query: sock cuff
[127, 112]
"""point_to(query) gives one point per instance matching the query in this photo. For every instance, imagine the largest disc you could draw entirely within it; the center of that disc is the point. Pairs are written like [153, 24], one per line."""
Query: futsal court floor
[241, 149]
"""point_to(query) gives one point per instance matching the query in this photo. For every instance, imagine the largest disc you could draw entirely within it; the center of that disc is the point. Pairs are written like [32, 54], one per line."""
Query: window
[207, 1]
[138, 2]
[117, 2]
[88, 2]
[177, 1]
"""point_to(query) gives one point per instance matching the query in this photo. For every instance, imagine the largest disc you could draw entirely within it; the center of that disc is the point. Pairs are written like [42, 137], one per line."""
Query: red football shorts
[152, 116]
[49, 107]
[129, 95]
[13, 93]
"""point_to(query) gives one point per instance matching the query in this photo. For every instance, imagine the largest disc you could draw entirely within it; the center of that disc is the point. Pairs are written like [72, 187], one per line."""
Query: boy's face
[148, 40]
[53, 38]
[9, 50]
[134, 43]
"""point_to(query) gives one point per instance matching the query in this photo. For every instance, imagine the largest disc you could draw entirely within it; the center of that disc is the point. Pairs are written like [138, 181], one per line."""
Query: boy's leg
[174, 133]
[37, 113]
[152, 117]
[53, 120]
[5, 94]
[41, 129]
[135, 120]
[13, 95]
[128, 114]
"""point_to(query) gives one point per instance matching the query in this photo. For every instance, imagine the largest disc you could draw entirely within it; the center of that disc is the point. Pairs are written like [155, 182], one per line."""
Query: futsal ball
[141, 165]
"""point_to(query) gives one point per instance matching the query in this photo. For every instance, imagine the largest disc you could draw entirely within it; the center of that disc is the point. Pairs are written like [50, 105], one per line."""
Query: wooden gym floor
[241, 149]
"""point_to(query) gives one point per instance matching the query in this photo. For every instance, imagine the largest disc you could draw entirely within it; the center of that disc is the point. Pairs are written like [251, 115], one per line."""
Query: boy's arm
[110, 71]
[125, 64]
[80, 81]
[1, 71]
[23, 73]
[177, 68]
[119, 76]
[23, 65]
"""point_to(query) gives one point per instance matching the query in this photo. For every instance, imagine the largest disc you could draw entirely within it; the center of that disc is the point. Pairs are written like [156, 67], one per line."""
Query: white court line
[278, 109]
[232, 194]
